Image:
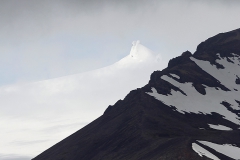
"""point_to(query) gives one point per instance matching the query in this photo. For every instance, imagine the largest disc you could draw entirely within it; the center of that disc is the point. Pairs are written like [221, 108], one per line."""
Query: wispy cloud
[46, 39]
[14, 157]
[37, 115]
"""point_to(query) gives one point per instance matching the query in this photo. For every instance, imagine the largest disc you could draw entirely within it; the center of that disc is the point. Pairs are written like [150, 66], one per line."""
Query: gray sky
[47, 39]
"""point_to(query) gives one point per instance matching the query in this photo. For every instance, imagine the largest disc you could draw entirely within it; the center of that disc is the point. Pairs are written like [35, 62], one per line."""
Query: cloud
[61, 127]
[29, 19]
[48, 39]
[35, 116]
[24, 143]
[14, 157]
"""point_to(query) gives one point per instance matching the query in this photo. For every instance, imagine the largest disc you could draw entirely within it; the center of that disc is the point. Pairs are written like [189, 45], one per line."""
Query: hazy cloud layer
[14, 157]
[46, 39]
[37, 115]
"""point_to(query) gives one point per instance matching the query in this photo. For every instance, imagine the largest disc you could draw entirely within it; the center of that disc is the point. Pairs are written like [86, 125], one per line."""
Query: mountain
[188, 111]
[42, 113]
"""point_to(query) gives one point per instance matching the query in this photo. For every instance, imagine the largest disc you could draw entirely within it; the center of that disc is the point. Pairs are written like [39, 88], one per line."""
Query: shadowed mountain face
[188, 111]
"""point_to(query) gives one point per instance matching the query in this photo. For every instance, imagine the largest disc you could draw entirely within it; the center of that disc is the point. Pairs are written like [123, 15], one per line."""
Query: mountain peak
[135, 43]
[139, 54]
[223, 43]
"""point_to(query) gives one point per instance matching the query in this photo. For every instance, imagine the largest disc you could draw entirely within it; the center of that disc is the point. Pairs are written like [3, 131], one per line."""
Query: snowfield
[195, 102]
[219, 127]
[226, 149]
[203, 152]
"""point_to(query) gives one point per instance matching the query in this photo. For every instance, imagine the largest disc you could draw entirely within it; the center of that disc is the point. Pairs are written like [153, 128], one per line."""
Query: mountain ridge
[172, 117]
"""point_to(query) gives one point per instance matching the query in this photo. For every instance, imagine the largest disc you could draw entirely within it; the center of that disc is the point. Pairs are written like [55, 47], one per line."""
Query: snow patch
[226, 76]
[174, 75]
[203, 152]
[226, 149]
[219, 127]
[214, 97]
[194, 103]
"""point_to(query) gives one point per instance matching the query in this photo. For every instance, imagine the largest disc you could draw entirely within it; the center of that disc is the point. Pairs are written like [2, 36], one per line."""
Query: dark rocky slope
[141, 127]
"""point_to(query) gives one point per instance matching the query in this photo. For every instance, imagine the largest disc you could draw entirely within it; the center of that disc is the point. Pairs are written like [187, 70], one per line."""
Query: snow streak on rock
[219, 127]
[226, 149]
[174, 75]
[226, 75]
[203, 152]
[216, 100]
[193, 100]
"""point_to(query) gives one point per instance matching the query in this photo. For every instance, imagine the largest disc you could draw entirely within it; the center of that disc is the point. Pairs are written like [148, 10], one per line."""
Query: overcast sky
[46, 39]
[42, 39]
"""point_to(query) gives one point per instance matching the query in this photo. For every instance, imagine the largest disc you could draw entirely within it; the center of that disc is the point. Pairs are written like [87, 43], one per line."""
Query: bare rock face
[223, 43]
[183, 113]
[180, 59]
